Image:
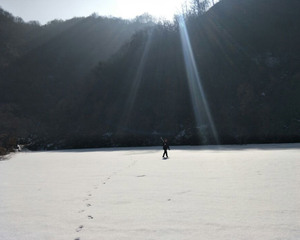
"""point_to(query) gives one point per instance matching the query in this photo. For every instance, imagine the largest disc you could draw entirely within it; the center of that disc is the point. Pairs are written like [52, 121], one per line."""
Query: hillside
[42, 66]
[80, 88]
[248, 67]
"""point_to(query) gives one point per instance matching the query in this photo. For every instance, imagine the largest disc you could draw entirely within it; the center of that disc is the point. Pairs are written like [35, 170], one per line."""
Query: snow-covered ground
[209, 193]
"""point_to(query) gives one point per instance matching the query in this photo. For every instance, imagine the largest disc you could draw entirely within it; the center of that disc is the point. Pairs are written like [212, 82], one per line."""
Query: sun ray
[200, 105]
[129, 103]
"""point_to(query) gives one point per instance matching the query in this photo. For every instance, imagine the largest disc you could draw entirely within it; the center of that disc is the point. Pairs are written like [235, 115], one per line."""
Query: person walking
[165, 148]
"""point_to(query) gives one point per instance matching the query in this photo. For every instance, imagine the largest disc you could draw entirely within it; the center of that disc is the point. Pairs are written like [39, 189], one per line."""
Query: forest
[228, 74]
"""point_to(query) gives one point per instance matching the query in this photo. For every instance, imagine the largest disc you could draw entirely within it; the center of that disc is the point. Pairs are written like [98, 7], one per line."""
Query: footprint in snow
[90, 217]
[79, 228]
[88, 205]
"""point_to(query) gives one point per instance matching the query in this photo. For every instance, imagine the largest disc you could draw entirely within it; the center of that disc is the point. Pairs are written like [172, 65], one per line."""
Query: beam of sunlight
[222, 36]
[127, 110]
[200, 105]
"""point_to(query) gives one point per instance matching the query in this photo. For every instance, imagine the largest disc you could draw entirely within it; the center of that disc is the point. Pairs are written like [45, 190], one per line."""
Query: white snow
[209, 193]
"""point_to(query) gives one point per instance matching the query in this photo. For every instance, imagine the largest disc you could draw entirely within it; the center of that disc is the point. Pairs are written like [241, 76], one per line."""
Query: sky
[46, 10]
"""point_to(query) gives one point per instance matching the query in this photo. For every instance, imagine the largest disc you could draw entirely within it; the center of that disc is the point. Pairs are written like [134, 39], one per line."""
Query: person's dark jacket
[166, 146]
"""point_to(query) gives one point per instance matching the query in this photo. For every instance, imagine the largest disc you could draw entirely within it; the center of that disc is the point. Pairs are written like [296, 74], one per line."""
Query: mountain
[246, 55]
[43, 65]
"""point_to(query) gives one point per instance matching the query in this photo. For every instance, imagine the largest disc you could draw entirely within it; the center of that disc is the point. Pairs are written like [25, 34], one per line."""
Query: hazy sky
[47, 10]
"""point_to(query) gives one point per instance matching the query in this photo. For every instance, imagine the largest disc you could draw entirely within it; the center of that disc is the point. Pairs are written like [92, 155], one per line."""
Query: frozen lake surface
[209, 193]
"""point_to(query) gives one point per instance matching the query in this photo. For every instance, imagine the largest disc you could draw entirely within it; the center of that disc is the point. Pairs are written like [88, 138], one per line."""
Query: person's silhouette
[165, 148]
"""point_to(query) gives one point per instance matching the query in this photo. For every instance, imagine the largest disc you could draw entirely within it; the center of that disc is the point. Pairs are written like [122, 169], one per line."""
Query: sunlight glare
[159, 9]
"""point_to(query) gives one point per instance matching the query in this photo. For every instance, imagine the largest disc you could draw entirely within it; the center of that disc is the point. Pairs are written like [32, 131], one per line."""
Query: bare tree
[199, 7]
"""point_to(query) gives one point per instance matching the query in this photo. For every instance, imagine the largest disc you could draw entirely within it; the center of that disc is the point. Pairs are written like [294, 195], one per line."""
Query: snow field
[210, 193]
